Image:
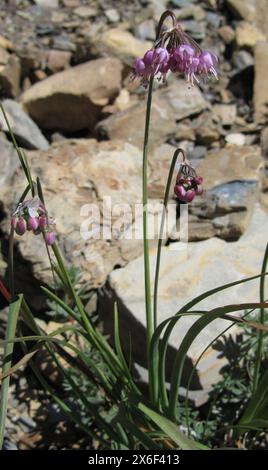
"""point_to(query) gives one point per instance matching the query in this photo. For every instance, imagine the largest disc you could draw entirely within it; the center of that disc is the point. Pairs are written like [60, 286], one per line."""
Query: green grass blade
[187, 341]
[13, 313]
[262, 321]
[256, 402]
[171, 430]
[210, 292]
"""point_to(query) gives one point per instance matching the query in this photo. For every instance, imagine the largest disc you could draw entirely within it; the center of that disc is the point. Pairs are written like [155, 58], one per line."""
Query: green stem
[149, 319]
[149, 322]
[154, 371]
[262, 321]
[163, 218]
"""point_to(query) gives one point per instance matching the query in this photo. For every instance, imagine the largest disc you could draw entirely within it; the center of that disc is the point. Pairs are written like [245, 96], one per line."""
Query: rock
[112, 15]
[71, 3]
[145, 30]
[184, 274]
[26, 131]
[4, 56]
[226, 113]
[75, 174]
[242, 60]
[230, 227]
[206, 128]
[8, 160]
[85, 12]
[169, 105]
[199, 151]
[247, 35]
[260, 88]
[5, 43]
[264, 142]
[185, 131]
[58, 60]
[72, 100]
[121, 44]
[227, 34]
[230, 164]
[196, 29]
[63, 43]
[235, 196]
[224, 211]
[251, 11]
[10, 77]
[199, 229]
[242, 9]
[235, 139]
[193, 11]
[213, 19]
[47, 3]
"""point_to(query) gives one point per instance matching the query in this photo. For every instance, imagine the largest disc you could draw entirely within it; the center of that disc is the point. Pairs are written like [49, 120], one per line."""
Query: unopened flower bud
[180, 192]
[50, 238]
[33, 223]
[20, 227]
[198, 179]
[42, 222]
[190, 194]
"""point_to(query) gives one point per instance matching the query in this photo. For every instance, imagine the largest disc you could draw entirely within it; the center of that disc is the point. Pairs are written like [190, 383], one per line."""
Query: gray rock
[145, 30]
[112, 15]
[195, 28]
[242, 60]
[8, 160]
[235, 195]
[26, 131]
[169, 105]
[199, 151]
[47, 3]
[213, 19]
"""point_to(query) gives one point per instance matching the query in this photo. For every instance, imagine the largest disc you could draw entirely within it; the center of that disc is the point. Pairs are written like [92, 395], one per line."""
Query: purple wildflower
[153, 62]
[32, 215]
[188, 184]
[20, 227]
[177, 52]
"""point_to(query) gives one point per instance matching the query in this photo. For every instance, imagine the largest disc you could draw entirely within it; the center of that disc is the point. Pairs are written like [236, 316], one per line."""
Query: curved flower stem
[154, 380]
[262, 320]
[159, 247]
[149, 323]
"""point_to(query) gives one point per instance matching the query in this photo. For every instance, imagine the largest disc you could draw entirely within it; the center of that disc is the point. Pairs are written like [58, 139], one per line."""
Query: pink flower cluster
[32, 215]
[191, 62]
[186, 188]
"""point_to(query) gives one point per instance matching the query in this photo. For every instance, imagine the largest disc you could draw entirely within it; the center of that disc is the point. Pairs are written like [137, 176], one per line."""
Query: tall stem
[262, 320]
[149, 320]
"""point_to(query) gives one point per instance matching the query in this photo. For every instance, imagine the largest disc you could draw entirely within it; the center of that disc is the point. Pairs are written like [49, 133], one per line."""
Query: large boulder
[25, 130]
[10, 74]
[72, 100]
[186, 272]
[170, 104]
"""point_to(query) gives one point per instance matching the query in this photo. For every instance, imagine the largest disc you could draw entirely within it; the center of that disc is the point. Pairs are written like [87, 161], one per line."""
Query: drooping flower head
[188, 183]
[32, 215]
[175, 51]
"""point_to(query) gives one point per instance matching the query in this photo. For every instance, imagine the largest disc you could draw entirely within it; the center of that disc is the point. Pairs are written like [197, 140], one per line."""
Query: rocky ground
[65, 82]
